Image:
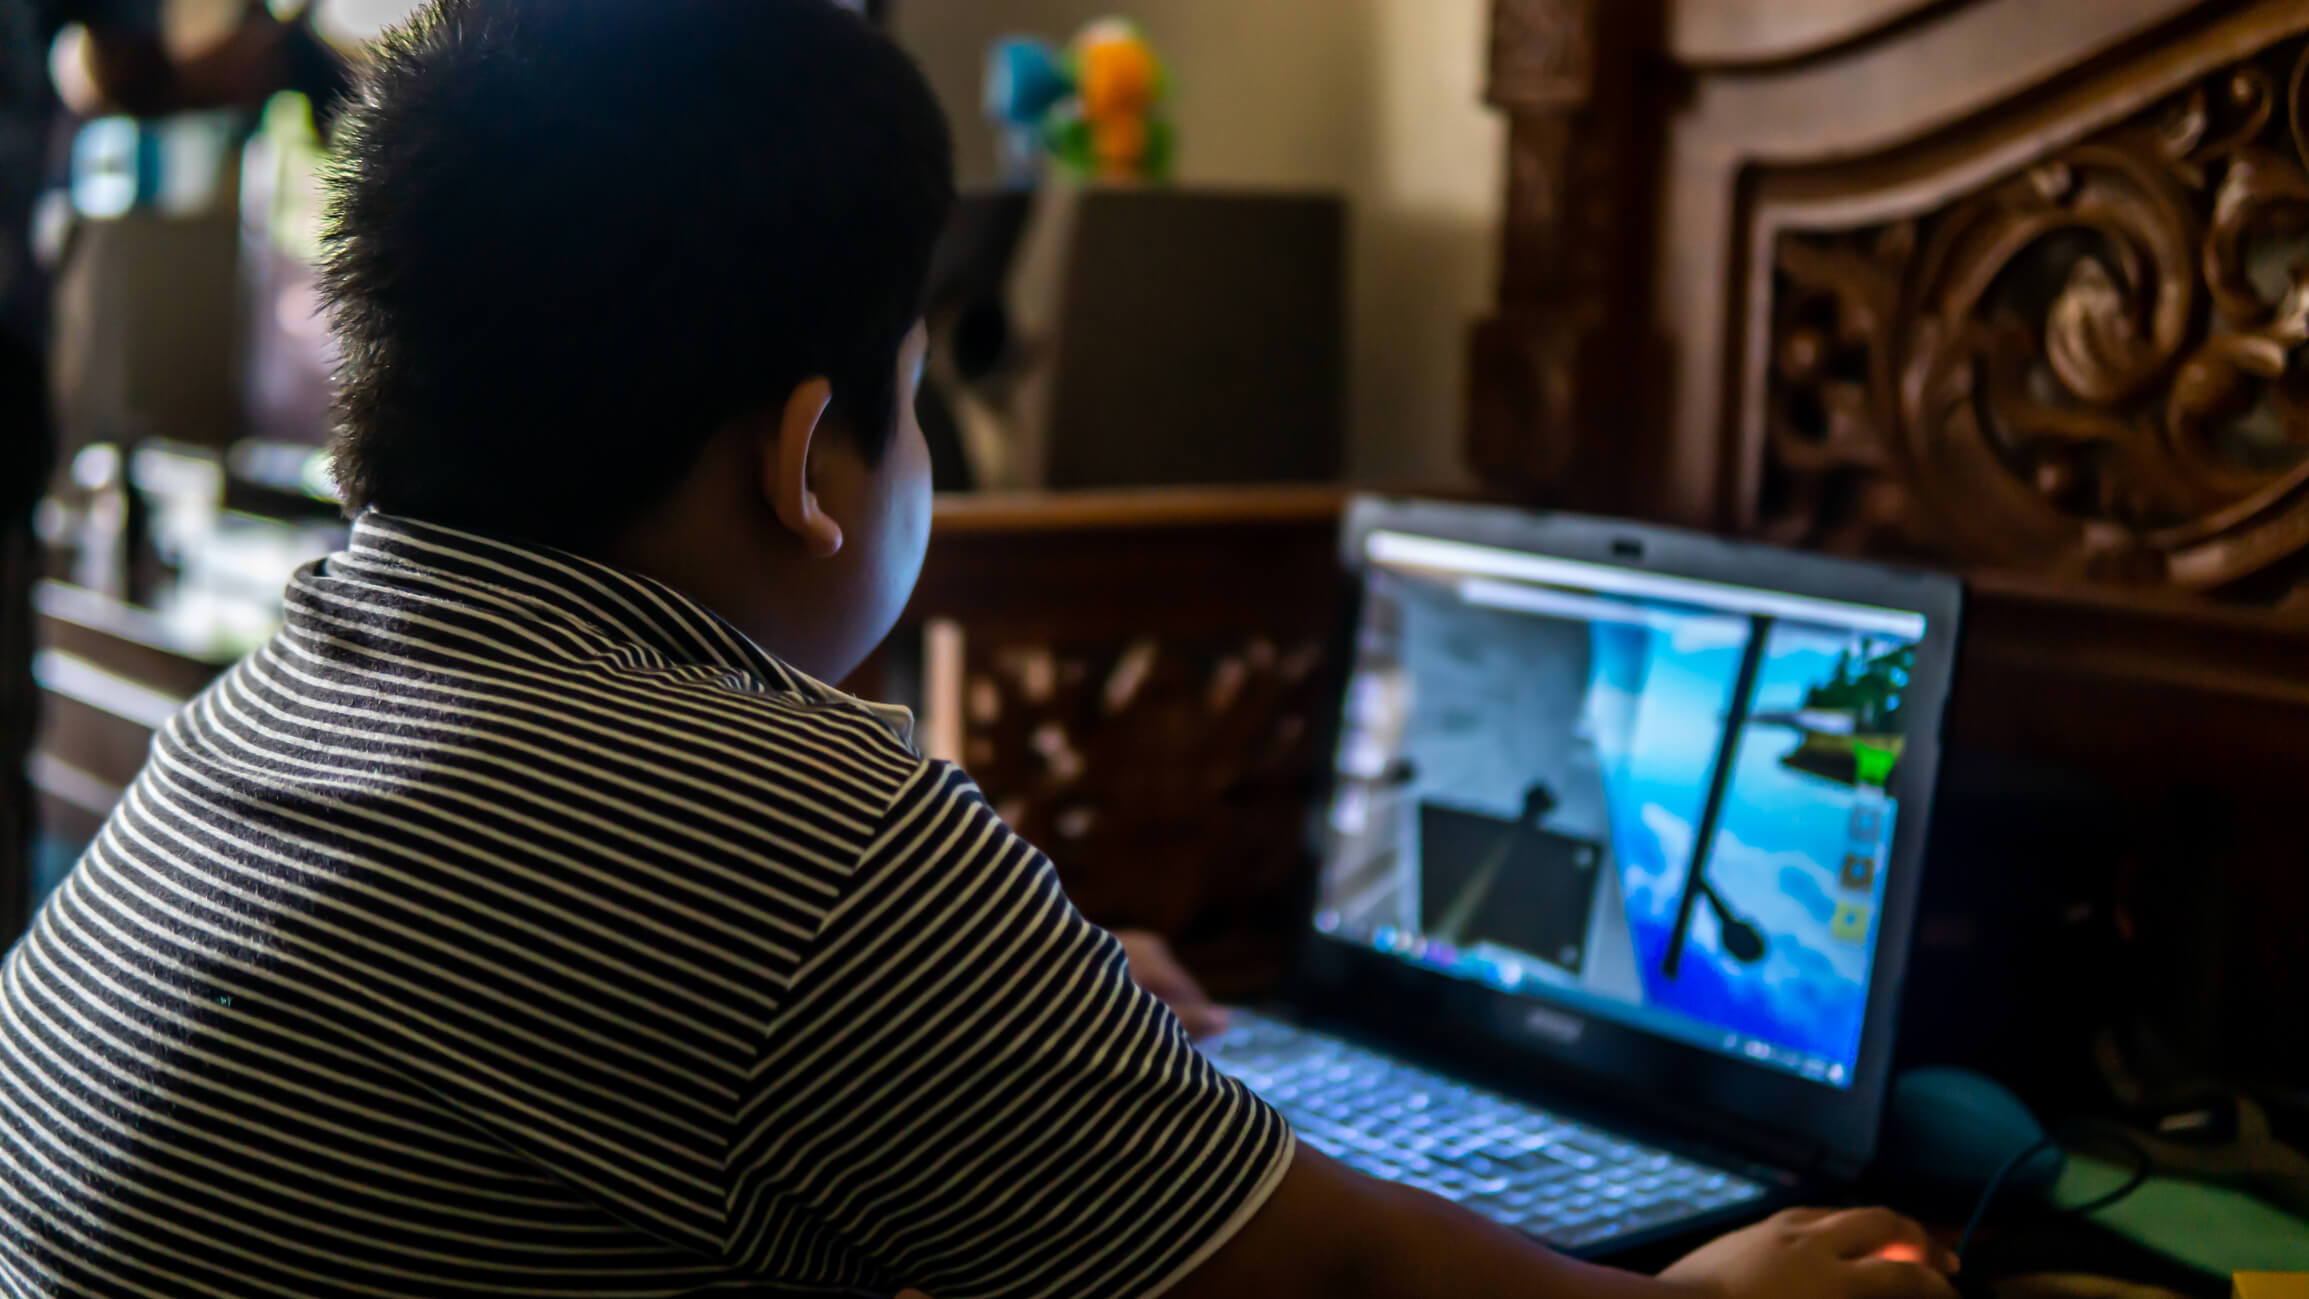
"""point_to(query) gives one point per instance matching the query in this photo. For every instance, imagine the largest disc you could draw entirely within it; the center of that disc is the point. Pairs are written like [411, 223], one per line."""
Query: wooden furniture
[2017, 287]
[1136, 679]
[110, 674]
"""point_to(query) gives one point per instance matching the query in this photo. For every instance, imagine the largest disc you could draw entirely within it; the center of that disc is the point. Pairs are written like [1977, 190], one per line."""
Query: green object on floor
[2213, 1228]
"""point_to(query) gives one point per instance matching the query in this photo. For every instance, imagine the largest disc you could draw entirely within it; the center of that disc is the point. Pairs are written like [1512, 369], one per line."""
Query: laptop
[1618, 864]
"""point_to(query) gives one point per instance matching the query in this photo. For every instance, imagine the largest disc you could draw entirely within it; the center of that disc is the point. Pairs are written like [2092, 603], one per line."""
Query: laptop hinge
[1814, 1161]
[1801, 1159]
[1836, 1168]
[1805, 1160]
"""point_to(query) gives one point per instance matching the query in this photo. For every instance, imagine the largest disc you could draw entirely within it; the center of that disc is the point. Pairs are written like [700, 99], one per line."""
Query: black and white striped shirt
[512, 925]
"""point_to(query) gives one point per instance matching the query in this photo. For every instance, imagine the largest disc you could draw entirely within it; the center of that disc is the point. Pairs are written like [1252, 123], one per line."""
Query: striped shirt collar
[611, 601]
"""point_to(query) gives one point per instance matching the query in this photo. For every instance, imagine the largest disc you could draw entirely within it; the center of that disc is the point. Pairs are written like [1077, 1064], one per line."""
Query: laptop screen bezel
[1768, 1111]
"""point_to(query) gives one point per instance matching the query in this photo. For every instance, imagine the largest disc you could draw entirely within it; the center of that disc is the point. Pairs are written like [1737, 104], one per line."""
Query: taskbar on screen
[1524, 977]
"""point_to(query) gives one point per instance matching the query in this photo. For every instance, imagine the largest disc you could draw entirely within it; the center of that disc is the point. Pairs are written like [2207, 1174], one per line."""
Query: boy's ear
[786, 470]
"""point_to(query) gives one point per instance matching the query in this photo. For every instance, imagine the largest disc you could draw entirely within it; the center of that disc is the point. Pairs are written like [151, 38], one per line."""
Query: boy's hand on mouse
[1153, 968]
[1822, 1254]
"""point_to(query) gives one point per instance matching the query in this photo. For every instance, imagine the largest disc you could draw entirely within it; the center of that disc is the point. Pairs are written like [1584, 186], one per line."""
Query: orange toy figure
[1113, 129]
[1120, 85]
[1117, 72]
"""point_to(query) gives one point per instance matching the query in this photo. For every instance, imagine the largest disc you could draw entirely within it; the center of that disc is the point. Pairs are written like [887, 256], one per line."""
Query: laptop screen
[1655, 800]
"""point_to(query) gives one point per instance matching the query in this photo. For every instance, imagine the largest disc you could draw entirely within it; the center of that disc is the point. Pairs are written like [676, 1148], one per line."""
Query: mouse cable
[2143, 1166]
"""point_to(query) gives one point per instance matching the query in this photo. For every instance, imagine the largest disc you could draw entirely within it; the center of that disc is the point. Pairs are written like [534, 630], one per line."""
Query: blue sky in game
[1656, 709]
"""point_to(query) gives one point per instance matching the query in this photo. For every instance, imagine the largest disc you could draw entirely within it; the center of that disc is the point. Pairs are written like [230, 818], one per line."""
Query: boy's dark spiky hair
[571, 239]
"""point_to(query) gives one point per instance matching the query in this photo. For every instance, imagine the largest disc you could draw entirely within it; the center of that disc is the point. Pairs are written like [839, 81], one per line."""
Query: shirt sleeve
[966, 1088]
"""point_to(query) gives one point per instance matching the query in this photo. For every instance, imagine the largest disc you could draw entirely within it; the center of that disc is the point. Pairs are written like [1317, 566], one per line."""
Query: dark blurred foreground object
[131, 69]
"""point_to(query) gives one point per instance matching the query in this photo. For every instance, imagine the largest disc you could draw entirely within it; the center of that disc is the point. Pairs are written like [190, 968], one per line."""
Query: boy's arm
[1336, 1234]
[1329, 1231]
[964, 1090]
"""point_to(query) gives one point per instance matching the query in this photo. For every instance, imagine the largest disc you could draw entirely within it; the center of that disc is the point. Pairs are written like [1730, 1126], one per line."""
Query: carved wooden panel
[1956, 281]
[2089, 367]
[1169, 779]
[1134, 679]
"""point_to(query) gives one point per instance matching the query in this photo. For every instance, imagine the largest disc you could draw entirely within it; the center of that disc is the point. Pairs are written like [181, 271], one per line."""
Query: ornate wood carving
[1168, 778]
[1135, 680]
[2073, 372]
[2092, 367]
[1749, 33]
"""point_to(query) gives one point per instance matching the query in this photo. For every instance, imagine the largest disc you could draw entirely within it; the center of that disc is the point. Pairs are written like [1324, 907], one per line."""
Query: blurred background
[189, 364]
[1319, 230]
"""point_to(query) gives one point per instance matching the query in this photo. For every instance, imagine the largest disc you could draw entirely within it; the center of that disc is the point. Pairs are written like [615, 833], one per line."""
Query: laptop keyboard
[1565, 1182]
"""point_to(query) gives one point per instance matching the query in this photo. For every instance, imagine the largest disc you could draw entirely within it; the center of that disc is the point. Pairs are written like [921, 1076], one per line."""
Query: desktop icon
[1859, 871]
[1867, 821]
[1851, 922]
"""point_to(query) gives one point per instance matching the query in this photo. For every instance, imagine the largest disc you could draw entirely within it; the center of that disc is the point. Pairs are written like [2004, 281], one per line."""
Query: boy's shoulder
[795, 727]
[592, 687]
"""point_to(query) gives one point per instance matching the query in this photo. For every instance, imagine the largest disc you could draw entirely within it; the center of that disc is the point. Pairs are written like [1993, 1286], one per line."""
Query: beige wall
[1375, 99]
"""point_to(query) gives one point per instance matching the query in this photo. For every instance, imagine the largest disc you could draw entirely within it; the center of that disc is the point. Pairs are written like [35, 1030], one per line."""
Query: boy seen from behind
[527, 917]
